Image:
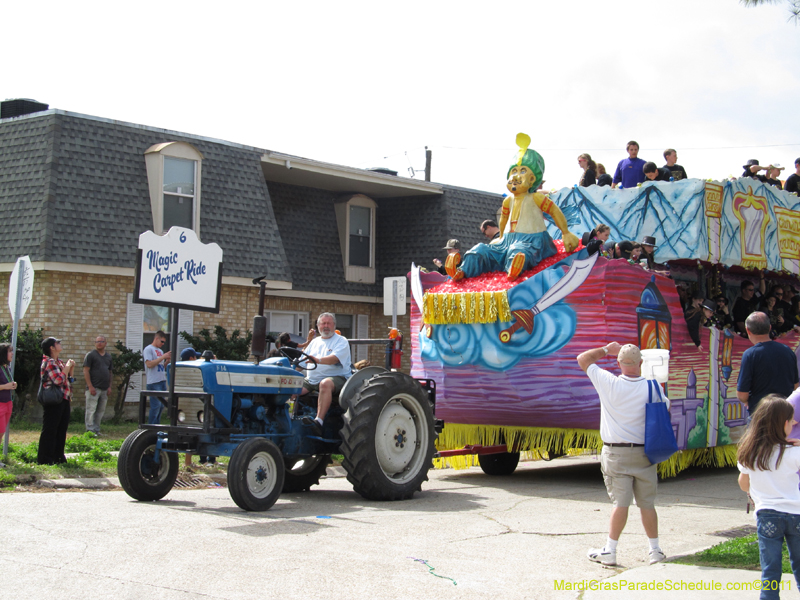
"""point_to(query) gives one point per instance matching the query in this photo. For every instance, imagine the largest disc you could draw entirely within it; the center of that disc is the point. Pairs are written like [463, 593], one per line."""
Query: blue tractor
[383, 425]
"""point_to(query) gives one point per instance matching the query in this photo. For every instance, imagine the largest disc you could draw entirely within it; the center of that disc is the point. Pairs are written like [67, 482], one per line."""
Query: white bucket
[655, 365]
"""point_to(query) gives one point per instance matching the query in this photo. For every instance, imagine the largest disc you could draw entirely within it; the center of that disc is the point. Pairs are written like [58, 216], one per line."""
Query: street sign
[388, 295]
[20, 288]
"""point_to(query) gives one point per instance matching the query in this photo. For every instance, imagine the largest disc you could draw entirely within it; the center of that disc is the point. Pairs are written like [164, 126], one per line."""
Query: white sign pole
[394, 305]
[20, 288]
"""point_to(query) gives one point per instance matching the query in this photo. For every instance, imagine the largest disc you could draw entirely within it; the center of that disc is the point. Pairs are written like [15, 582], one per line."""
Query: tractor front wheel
[140, 476]
[255, 474]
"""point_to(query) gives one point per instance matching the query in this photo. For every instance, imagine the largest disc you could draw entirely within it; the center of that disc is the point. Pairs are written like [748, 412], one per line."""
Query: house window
[344, 323]
[355, 218]
[155, 318]
[360, 230]
[295, 323]
[174, 172]
[179, 186]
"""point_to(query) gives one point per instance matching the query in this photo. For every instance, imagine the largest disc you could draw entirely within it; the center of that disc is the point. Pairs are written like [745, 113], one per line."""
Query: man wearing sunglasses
[746, 304]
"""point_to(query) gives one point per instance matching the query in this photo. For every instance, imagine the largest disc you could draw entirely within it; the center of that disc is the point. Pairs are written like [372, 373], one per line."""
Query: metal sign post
[394, 297]
[20, 291]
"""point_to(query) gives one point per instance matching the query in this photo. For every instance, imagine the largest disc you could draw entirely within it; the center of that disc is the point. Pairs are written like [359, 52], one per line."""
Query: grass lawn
[737, 553]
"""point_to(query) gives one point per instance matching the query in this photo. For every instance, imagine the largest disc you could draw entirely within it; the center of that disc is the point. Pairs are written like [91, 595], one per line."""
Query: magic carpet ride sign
[178, 271]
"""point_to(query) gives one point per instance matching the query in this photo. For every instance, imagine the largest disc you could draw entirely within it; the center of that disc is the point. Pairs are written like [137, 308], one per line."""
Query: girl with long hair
[7, 384]
[589, 175]
[769, 463]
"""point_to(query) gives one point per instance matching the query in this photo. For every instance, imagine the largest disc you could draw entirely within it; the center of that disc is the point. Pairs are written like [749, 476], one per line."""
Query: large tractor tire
[388, 438]
[139, 475]
[499, 464]
[255, 474]
[301, 474]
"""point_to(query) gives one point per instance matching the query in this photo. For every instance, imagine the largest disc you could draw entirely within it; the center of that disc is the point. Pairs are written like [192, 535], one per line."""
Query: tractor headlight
[181, 416]
[200, 415]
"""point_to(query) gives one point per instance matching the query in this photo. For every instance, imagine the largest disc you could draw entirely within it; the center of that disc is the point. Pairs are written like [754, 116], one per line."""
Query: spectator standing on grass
[630, 171]
[768, 367]
[7, 384]
[97, 371]
[155, 362]
[677, 171]
[769, 463]
[55, 420]
[627, 471]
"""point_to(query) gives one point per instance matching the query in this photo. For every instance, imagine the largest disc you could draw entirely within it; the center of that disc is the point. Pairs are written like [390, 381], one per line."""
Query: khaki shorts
[338, 384]
[628, 474]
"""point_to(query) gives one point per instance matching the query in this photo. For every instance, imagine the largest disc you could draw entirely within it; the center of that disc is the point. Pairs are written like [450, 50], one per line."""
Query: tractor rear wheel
[388, 438]
[302, 473]
[499, 464]
[255, 474]
[140, 476]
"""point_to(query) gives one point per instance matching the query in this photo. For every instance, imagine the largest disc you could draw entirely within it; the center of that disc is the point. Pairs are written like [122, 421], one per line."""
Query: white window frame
[356, 274]
[154, 161]
[297, 315]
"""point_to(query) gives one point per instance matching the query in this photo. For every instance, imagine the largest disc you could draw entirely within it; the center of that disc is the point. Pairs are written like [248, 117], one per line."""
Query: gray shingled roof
[73, 189]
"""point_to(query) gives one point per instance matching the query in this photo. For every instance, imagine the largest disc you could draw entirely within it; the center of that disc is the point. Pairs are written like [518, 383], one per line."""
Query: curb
[88, 483]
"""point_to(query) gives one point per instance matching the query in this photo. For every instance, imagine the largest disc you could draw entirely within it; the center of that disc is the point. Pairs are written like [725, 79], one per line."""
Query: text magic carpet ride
[501, 334]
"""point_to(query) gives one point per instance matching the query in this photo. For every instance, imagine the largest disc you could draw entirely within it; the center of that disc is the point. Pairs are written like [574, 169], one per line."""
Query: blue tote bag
[659, 438]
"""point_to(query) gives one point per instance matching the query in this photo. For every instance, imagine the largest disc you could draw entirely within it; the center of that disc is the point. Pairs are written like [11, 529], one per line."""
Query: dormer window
[173, 174]
[355, 218]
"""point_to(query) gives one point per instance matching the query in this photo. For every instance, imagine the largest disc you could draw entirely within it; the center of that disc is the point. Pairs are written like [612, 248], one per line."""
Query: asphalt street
[467, 535]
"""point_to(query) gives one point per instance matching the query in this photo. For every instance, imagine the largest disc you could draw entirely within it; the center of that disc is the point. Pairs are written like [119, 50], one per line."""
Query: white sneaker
[656, 556]
[603, 556]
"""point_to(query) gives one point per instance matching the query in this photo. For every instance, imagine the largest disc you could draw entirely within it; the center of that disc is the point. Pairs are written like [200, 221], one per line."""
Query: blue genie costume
[524, 240]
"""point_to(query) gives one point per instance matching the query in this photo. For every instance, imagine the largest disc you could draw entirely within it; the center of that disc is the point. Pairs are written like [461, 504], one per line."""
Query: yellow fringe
[467, 308]
[533, 442]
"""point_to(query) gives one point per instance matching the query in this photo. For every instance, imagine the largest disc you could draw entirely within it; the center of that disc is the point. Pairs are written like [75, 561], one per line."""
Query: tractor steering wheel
[296, 356]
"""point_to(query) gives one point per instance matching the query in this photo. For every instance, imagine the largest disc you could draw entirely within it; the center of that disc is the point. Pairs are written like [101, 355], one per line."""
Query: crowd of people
[633, 171]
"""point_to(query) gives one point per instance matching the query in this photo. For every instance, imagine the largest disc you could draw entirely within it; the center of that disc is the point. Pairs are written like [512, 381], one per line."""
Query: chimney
[20, 106]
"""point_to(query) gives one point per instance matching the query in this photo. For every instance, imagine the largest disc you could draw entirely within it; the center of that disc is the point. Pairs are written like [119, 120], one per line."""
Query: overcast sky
[370, 84]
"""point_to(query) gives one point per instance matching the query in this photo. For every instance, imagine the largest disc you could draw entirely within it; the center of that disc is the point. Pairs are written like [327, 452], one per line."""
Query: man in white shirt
[627, 471]
[331, 352]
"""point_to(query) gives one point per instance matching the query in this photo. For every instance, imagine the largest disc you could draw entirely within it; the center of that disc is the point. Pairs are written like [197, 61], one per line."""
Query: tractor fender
[355, 383]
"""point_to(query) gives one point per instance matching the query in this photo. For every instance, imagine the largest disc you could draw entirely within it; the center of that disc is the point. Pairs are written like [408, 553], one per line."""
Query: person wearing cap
[773, 172]
[722, 314]
[189, 355]
[453, 247]
[627, 471]
[751, 169]
[768, 367]
[524, 241]
[630, 171]
[677, 171]
[55, 420]
[97, 372]
[793, 181]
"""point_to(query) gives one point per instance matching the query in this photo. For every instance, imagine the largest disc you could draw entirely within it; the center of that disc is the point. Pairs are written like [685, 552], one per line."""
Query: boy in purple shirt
[630, 171]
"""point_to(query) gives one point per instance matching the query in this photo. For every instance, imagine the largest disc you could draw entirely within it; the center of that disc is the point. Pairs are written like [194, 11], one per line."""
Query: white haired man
[331, 352]
[627, 471]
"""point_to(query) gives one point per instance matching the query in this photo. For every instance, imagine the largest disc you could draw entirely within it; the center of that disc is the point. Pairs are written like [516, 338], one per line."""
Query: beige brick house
[76, 191]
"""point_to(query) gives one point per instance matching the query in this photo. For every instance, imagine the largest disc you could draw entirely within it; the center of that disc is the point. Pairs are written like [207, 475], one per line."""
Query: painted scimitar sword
[576, 275]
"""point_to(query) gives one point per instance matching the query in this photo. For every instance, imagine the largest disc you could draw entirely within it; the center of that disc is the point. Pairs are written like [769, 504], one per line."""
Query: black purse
[49, 396]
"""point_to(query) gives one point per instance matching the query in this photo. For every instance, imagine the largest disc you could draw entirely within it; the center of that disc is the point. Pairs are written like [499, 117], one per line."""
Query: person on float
[589, 175]
[524, 241]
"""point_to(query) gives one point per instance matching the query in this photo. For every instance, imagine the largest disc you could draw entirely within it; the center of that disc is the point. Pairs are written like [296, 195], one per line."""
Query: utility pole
[428, 158]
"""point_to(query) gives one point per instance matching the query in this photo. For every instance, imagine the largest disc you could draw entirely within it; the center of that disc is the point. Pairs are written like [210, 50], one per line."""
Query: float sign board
[179, 271]
[23, 264]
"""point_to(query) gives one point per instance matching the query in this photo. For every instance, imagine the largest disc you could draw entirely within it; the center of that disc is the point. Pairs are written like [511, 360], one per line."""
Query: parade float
[501, 342]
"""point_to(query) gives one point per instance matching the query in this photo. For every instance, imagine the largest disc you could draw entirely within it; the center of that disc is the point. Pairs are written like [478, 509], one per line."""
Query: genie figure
[523, 241]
